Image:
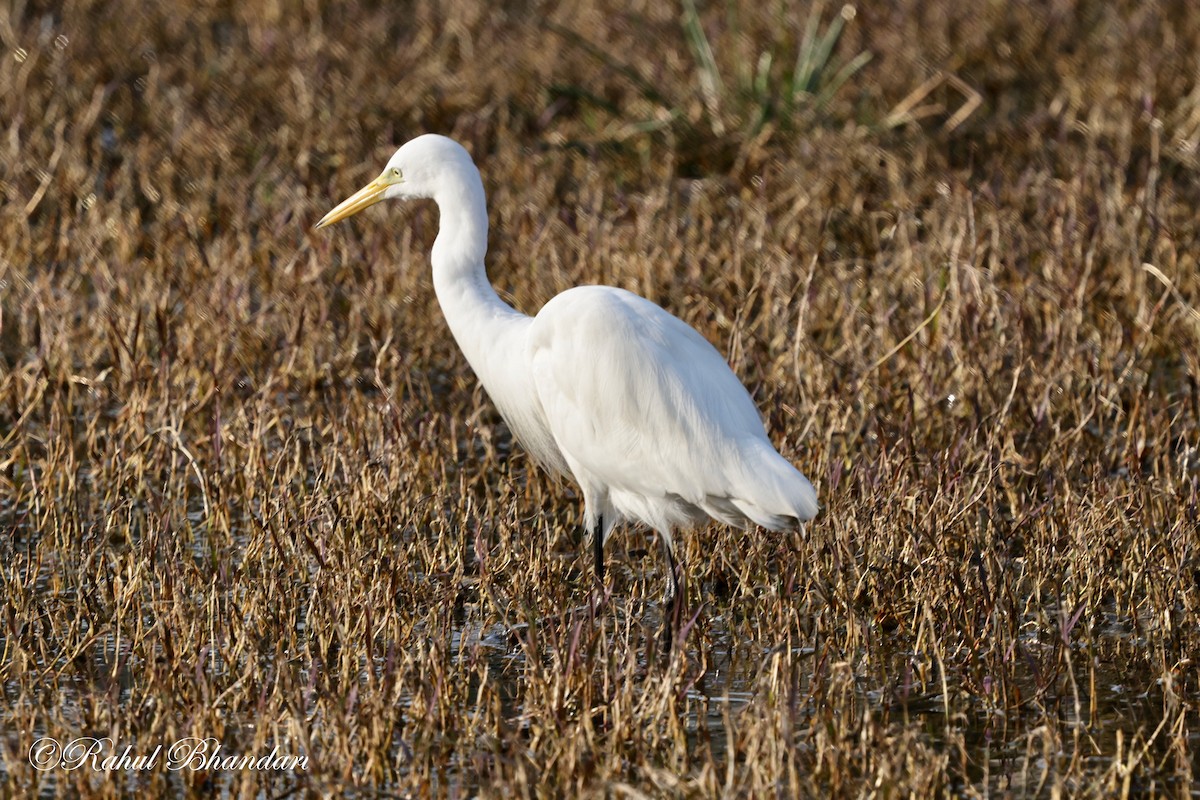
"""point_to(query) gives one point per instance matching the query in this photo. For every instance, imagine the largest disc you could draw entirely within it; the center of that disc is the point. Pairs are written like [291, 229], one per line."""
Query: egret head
[417, 170]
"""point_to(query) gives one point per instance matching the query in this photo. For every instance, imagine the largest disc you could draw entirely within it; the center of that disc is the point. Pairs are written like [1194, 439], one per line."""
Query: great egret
[601, 385]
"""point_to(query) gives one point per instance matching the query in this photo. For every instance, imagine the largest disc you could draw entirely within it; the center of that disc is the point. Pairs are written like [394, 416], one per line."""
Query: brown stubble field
[250, 490]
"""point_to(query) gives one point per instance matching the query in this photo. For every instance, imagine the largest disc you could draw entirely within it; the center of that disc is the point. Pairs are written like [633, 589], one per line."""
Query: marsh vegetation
[249, 489]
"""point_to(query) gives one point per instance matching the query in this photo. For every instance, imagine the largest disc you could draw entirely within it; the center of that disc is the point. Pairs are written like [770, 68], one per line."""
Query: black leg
[672, 592]
[674, 600]
[598, 548]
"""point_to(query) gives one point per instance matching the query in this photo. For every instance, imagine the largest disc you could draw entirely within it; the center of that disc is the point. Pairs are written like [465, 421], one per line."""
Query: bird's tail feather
[773, 494]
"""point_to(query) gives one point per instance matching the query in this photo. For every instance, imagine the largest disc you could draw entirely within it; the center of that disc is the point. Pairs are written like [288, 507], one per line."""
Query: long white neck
[480, 321]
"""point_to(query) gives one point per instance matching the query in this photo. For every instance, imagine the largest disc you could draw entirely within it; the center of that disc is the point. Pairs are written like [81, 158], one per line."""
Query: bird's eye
[395, 172]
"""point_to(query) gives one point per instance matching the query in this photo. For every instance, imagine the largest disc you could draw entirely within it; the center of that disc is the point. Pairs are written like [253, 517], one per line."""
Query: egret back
[652, 421]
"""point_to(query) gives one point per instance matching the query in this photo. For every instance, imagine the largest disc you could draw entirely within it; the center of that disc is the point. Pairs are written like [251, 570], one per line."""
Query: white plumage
[602, 385]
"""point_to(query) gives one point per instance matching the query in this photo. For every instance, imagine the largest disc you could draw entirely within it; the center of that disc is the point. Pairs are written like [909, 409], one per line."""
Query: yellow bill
[367, 196]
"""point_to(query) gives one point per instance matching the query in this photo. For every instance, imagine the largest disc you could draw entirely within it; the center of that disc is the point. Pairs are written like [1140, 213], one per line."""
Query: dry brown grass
[250, 490]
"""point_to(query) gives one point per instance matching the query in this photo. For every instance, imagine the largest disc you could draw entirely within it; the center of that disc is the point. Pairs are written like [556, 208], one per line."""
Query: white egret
[601, 385]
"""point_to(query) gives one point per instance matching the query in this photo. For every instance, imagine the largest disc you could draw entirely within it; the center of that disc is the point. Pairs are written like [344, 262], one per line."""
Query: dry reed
[249, 490]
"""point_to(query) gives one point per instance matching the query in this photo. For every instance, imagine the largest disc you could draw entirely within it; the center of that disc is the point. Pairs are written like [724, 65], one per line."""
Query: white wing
[649, 415]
